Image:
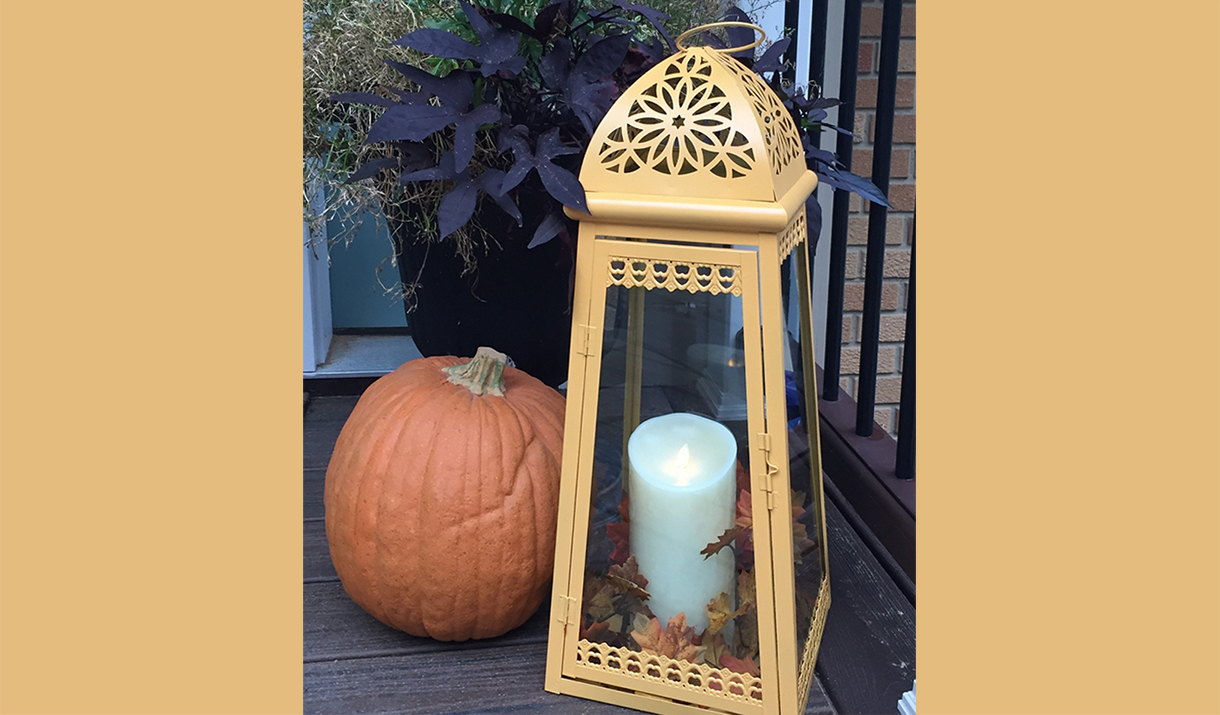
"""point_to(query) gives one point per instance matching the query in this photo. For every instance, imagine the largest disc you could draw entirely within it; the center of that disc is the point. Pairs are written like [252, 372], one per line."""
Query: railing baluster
[792, 28]
[838, 222]
[817, 42]
[905, 465]
[887, 86]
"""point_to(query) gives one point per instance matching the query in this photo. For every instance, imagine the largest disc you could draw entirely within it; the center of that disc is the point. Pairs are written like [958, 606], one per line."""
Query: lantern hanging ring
[762, 35]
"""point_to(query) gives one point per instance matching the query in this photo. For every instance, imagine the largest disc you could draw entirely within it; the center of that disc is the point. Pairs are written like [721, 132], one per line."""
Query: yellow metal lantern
[691, 559]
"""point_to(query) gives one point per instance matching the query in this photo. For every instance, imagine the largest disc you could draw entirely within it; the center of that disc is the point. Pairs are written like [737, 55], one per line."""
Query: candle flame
[683, 458]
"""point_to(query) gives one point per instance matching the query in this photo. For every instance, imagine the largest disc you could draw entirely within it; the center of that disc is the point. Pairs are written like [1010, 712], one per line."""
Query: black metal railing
[872, 474]
[874, 270]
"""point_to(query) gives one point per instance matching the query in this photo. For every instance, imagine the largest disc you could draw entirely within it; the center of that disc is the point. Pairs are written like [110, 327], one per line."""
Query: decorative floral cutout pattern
[679, 125]
[779, 131]
[690, 277]
[701, 677]
[792, 235]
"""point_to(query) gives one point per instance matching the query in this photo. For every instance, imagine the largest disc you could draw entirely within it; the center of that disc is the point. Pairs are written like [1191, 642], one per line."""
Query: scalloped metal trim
[696, 278]
[813, 642]
[740, 687]
[792, 235]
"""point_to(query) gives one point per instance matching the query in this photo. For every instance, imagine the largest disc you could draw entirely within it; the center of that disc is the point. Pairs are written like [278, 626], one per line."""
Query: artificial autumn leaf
[745, 510]
[628, 579]
[801, 543]
[728, 537]
[620, 535]
[747, 591]
[720, 612]
[747, 633]
[600, 598]
[740, 665]
[595, 631]
[745, 522]
[714, 649]
[640, 623]
[677, 640]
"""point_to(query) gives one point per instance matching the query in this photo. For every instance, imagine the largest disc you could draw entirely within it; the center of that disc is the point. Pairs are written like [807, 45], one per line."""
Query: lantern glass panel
[667, 593]
[806, 537]
[811, 585]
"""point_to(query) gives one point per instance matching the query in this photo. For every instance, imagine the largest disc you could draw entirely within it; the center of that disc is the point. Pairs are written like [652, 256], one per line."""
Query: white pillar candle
[682, 484]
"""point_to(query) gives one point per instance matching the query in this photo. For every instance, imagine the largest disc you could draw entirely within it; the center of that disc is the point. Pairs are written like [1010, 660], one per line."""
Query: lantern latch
[768, 485]
[586, 347]
[565, 610]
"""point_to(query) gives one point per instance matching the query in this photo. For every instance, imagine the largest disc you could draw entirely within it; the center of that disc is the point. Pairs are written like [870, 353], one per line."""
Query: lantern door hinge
[566, 610]
[585, 347]
[770, 469]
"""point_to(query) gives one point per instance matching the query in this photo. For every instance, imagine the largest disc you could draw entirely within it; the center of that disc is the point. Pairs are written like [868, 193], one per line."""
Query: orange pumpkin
[442, 496]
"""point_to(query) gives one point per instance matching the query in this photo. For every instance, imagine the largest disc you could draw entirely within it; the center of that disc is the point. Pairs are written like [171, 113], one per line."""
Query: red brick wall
[899, 220]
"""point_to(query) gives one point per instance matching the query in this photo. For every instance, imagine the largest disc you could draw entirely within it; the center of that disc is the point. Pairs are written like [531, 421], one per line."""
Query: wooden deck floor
[355, 664]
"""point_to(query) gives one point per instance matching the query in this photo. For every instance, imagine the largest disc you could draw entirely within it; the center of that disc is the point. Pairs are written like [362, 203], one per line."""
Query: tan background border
[1069, 550]
[149, 443]
[150, 301]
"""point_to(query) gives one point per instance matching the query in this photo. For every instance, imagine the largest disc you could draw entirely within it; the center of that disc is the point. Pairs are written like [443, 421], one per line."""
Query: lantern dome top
[702, 126]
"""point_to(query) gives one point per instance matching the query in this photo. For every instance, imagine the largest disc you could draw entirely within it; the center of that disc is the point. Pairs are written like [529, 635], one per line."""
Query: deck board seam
[441, 647]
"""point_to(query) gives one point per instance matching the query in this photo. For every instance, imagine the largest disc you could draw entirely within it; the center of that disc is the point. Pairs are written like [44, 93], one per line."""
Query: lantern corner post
[812, 415]
[783, 577]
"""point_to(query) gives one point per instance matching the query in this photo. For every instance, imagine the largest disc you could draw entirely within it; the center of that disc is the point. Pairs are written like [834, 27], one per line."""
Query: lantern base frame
[628, 698]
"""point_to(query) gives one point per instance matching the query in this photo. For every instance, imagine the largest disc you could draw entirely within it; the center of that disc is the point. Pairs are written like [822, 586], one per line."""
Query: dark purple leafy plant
[508, 104]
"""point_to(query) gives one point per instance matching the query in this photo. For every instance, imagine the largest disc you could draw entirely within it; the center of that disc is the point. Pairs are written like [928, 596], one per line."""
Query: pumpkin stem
[483, 375]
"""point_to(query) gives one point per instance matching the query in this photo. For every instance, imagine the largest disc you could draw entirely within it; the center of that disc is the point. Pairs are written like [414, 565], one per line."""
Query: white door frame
[318, 327]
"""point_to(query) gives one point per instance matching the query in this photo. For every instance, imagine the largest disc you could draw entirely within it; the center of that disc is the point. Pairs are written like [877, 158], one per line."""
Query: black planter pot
[517, 301]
